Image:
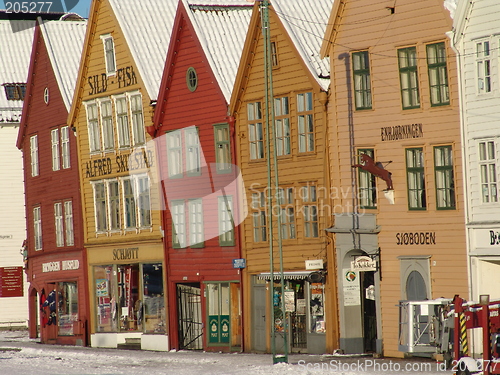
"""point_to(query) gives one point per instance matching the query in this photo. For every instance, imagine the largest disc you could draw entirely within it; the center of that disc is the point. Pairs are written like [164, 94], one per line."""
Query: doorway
[190, 327]
[369, 312]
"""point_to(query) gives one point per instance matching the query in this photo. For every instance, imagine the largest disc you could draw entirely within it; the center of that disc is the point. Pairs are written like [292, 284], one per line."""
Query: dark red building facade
[54, 253]
[199, 181]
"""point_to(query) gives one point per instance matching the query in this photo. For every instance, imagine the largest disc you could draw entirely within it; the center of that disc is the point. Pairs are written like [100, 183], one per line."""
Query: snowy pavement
[20, 355]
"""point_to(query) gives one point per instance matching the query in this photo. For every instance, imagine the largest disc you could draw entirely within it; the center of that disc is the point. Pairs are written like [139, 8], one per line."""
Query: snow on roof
[64, 42]
[306, 24]
[221, 30]
[147, 26]
[16, 39]
[451, 5]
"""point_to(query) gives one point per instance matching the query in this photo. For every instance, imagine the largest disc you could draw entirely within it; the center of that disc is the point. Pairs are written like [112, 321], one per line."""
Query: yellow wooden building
[394, 99]
[123, 58]
[301, 199]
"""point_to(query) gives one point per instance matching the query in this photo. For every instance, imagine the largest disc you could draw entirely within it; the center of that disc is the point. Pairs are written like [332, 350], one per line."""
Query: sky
[82, 8]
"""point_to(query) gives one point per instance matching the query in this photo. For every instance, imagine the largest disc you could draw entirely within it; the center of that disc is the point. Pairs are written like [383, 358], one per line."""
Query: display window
[67, 308]
[129, 297]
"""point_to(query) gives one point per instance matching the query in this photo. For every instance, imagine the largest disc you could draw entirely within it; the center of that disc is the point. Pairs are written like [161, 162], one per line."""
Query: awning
[292, 275]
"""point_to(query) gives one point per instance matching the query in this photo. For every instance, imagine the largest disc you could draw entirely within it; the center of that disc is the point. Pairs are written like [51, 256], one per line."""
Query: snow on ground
[21, 355]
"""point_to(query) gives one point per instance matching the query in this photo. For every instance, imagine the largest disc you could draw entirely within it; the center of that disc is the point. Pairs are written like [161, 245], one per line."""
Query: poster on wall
[351, 288]
[101, 288]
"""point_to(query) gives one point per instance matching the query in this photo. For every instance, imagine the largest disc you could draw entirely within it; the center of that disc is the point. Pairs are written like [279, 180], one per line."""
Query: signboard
[101, 288]
[363, 263]
[351, 288]
[11, 281]
[315, 264]
[486, 238]
[289, 300]
[239, 263]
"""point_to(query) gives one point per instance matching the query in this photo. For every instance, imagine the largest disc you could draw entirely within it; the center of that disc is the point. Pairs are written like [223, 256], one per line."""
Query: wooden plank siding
[369, 25]
[290, 77]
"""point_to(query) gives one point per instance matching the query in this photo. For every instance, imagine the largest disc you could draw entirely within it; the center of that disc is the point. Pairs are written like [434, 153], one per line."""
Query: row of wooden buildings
[172, 153]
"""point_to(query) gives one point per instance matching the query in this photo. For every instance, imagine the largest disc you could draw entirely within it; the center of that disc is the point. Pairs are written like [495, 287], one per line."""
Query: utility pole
[270, 137]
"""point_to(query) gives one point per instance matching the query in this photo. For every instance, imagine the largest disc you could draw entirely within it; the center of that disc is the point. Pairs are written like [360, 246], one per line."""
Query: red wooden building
[55, 257]
[195, 143]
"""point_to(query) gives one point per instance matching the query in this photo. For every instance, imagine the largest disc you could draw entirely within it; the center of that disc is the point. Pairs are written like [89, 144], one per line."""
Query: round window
[191, 79]
[46, 95]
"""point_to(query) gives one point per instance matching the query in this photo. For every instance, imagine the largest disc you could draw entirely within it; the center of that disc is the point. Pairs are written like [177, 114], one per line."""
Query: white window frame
[226, 220]
[114, 225]
[109, 54]
[68, 223]
[93, 127]
[143, 201]
[97, 214]
[129, 204]
[56, 155]
[196, 232]
[483, 66]
[106, 124]
[178, 214]
[37, 227]
[59, 224]
[34, 155]
[122, 121]
[305, 118]
[192, 151]
[137, 118]
[65, 148]
[488, 171]
[174, 153]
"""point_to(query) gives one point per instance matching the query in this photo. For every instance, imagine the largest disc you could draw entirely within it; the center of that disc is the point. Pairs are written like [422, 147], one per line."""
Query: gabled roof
[221, 31]
[305, 22]
[147, 26]
[16, 39]
[64, 43]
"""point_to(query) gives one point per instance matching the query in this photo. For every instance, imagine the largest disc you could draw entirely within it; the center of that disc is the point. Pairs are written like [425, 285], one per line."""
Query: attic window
[191, 79]
[46, 95]
[109, 53]
[15, 91]
[274, 54]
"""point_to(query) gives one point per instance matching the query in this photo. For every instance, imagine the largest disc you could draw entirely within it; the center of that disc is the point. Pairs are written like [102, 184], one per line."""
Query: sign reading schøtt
[363, 263]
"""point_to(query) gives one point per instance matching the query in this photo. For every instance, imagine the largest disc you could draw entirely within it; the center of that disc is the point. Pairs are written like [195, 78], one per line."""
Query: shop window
[152, 317]
[106, 301]
[128, 296]
[67, 308]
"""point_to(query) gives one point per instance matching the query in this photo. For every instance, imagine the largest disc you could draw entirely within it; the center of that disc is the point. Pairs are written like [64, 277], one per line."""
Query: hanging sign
[315, 264]
[363, 263]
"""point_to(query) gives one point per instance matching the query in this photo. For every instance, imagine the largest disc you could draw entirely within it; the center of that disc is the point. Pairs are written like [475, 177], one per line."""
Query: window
[109, 54]
[408, 76]
[144, 203]
[255, 134]
[287, 212]
[222, 148]
[122, 122]
[483, 67]
[107, 125]
[138, 135]
[366, 182]
[59, 227]
[14, 91]
[274, 54]
[56, 158]
[488, 168]
[416, 178]
[37, 228]
[93, 127]
[438, 75]
[310, 211]
[226, 222]
[259, 217]
[100, 206]
[34, 155]
[178, 224]
[445, 181]
[114, 205]
[282, 124]
[191, 79]
[129, 204]
[305, 122]
[65, 147]
[362, 84]
[174, 154]
[195, 209]
[67, 307]
[68, 221]
[193, 151]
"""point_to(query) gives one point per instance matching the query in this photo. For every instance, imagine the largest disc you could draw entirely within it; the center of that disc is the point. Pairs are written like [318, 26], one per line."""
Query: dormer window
[15, 91]
[109, 53]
